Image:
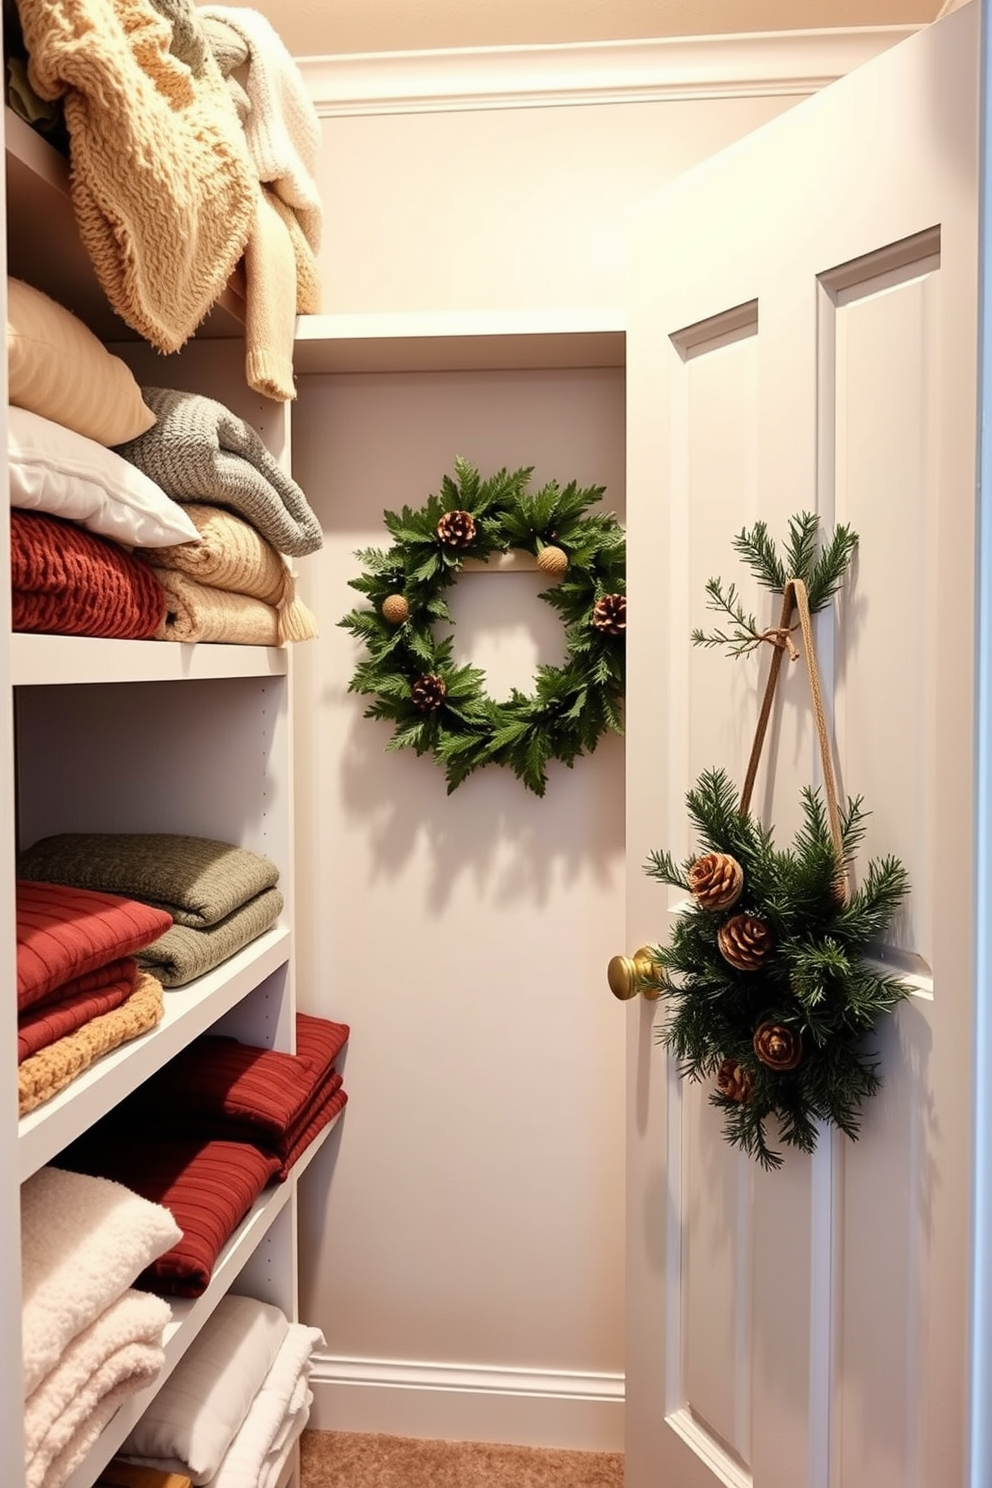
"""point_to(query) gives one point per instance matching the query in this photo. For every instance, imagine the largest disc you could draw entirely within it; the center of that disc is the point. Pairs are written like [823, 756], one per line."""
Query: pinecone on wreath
[734, 1081]
[745, 941]
[610, 614]
[778, 1047]
[716, 881]
[428, 692]
[456, 529]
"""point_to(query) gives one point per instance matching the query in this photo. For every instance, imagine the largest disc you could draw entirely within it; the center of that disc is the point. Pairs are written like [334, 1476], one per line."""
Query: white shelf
[46, 250]
[189, 1011]
[46, 660]
[459, 342]
[190, 1314]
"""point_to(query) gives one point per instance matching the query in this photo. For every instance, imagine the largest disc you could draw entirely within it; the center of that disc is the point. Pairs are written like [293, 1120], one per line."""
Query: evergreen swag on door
[769, 993]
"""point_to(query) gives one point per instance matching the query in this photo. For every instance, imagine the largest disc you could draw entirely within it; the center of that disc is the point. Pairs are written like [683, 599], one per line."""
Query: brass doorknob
[628, 975]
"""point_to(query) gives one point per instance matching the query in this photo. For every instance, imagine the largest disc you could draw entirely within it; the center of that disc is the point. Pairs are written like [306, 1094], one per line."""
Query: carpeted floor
[343, 1459]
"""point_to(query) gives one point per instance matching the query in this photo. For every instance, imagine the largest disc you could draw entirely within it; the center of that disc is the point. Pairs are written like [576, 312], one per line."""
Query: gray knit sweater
[198, 450]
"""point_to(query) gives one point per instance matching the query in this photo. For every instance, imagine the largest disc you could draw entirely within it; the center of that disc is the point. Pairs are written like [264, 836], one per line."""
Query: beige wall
[314, 28]
[506, 209]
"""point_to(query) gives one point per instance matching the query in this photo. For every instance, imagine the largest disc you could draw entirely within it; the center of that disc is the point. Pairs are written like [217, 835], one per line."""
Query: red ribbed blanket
[67, 581]
[220, 1087]
[208, 1186]
[64, 933]
[75, 1003]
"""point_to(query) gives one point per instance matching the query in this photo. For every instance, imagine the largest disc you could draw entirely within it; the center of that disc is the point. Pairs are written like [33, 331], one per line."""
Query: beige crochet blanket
[234, 558]
[44, 1074]
[162, 183]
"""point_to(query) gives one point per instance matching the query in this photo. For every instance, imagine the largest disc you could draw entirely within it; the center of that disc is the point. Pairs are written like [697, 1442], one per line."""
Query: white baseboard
[753, 65]
[455, 1402]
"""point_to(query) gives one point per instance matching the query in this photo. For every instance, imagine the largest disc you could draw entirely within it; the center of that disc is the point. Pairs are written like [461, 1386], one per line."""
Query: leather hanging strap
[794, 597]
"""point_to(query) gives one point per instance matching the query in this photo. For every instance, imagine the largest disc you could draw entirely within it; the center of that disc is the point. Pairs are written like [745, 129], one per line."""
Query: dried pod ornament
[552, 561]
[395, 609]
[716, 880]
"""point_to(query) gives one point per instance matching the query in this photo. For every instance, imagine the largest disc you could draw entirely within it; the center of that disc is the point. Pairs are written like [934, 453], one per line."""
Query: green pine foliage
[821, 566]
[571, 706]
[817, 981]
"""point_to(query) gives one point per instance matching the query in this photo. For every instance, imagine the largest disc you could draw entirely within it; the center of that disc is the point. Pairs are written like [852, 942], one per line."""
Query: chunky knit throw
[198, 450]
[67, 581]
[162, 184]
[195, 879]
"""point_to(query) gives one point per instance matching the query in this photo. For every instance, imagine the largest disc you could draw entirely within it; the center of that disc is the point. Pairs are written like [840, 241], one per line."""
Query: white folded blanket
[276, 1417]
[115, 1356]
[84, 1241]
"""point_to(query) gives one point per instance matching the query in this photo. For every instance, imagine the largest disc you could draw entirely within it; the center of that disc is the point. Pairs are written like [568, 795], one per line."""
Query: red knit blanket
[67, 581]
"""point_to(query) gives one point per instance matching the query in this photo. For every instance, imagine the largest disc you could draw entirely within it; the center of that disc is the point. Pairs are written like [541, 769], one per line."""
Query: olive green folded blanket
[198, 880]
[182, 954]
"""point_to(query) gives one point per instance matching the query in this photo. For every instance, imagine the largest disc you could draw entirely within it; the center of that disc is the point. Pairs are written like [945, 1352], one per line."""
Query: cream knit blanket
[84, 1242]
[117, 1355]
[232, 557]
[162, 183]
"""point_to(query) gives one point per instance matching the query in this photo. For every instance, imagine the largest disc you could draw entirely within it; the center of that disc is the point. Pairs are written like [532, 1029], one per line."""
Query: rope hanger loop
[794, 597]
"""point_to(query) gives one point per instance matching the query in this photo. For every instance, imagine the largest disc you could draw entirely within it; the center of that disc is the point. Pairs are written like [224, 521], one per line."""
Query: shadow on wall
[514, 846]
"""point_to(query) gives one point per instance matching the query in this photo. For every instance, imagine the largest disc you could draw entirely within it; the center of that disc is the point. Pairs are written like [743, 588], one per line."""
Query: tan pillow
[57, 368]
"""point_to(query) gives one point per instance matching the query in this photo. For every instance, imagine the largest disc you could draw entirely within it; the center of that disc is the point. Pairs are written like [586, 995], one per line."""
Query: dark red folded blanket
[64, 933]
[67, 581]
[209, 1186]
[332, 1100]
[221, 1087]
[69, 1007]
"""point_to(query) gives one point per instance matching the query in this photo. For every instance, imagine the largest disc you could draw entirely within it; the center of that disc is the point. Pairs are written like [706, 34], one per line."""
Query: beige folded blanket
[234, 556]
[44, 1074]
[198, 880]
[195, 612]
[182, 954]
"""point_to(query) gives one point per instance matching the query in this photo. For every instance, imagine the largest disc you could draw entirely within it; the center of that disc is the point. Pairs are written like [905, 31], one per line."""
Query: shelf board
[44, 247]
[44, 660]
[190, 1314]
[458, 342]
[189, 1011]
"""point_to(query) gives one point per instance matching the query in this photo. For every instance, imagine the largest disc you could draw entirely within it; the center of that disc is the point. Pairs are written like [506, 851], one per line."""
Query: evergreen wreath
[769, 993]
[442, 709]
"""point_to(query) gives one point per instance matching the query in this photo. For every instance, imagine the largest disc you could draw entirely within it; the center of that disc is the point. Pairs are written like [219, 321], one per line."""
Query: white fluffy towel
[282, 128]
[114, 1357]
[84, 1241]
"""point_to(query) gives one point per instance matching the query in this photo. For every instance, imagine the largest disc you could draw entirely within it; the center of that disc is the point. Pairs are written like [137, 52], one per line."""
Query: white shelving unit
[145, 736]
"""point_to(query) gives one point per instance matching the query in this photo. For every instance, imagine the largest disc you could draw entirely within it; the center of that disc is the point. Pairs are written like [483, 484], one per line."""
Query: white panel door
[803, 338]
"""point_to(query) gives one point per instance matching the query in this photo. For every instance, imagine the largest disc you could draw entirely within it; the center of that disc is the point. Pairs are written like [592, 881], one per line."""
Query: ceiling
[328, 27]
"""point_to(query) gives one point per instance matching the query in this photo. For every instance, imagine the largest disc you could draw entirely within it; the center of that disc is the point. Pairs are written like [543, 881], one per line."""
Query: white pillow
[203, 1404]
[55, 470]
